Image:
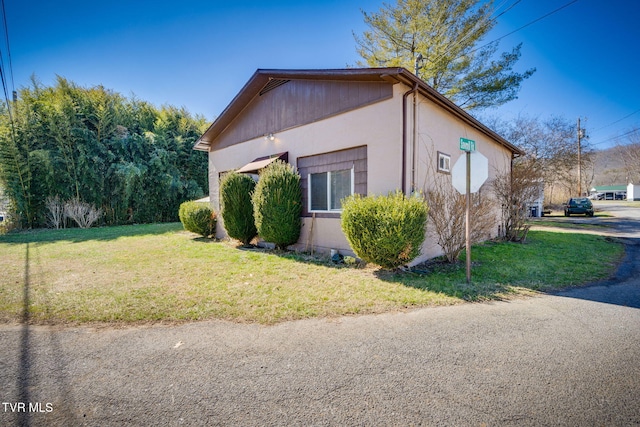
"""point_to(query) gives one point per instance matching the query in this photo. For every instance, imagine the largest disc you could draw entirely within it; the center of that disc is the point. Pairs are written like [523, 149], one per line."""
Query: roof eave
[410, 79]
[262, 76]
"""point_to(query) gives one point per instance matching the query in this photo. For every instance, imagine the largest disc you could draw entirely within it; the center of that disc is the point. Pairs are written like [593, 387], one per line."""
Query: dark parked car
[578, 205]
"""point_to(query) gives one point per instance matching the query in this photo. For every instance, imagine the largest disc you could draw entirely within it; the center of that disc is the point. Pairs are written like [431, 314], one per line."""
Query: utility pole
[579, 160]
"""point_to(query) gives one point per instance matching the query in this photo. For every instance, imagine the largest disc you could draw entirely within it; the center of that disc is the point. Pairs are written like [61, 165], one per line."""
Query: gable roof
[264, 80]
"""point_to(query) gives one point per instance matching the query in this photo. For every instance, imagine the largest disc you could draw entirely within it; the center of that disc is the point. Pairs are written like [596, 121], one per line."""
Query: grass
[159, 273]
[567, 223]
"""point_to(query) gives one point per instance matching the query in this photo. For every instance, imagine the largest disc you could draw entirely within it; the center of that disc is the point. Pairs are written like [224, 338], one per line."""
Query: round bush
[198, 218]
[385, 230]
[277, 204]
[236, 190]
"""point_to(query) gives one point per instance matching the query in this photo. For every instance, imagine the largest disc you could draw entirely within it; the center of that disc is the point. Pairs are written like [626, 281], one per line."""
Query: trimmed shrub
[277, 204]
[198, 218]
[385, 230]
[236, 190]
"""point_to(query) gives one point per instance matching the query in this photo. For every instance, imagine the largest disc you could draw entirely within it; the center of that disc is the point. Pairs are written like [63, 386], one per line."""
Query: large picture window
[327, 189]
[327, 178]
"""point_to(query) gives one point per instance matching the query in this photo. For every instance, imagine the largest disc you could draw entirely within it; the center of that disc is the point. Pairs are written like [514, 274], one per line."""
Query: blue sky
[198, 54]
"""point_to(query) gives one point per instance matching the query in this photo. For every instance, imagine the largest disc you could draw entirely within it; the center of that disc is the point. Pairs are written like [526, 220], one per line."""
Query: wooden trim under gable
[293, 103]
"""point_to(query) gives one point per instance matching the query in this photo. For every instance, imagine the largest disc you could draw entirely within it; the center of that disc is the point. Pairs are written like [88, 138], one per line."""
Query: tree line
[551, 149]
[129, 159]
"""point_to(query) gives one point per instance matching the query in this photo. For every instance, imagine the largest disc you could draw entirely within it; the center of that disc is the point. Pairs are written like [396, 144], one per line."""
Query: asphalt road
[572, 358]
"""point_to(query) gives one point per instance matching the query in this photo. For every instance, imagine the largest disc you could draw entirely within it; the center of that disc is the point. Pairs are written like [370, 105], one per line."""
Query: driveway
[571, 358]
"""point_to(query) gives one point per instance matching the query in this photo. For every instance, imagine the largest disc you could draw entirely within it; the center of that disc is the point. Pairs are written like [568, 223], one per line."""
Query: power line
[617, 137]
[508, 34]
[3, 72]
[617, 121]
[525, 25]
[6, 37]
[449, 48]
[507, 9]
[3, 69]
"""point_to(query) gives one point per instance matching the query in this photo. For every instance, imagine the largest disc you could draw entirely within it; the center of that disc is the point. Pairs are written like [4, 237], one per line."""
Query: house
[609, 192]
[366, 131]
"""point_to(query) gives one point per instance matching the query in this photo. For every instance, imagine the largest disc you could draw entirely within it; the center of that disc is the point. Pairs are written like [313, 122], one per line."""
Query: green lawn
[157, 272]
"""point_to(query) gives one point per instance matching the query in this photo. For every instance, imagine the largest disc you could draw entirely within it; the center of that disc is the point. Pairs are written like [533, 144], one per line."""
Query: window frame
[328, 174]
[447, 157]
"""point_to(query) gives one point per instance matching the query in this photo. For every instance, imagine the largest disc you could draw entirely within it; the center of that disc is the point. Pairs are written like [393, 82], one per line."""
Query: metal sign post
[467, 219]
[467, 176]
[468, 145]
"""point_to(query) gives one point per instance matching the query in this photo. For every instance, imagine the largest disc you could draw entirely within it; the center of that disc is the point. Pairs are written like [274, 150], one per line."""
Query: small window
[327, 189]
[444, 163]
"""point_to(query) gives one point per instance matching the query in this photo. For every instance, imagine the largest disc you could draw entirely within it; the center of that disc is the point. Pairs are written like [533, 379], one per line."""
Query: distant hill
[609, 168]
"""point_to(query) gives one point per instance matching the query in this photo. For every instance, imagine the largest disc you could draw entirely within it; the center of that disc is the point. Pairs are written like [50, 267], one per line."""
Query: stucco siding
[439, 131]
[377, 126]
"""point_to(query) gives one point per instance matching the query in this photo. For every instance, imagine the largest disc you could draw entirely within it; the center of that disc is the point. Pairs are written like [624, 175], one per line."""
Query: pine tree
[446, 35]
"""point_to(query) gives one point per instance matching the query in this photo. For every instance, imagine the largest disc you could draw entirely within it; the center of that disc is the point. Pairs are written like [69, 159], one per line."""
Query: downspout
[414, 144]
[404, 136]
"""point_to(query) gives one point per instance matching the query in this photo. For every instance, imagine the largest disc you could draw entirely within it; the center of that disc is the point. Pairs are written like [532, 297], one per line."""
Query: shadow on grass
[543, 265]
[205, 240]
[315, 258]
[548, 262]
[76, 235]
[24, 371]
[28, 390]
[448, 279]
[433, 276]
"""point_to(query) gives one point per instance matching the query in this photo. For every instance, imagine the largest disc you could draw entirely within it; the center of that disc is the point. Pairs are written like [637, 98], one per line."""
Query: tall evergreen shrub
[236, 190]
[385, 230]
[131, 160]
[277, 204]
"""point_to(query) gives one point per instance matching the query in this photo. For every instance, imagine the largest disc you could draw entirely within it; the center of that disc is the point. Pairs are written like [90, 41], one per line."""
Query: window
[444, 163]
[327, 189]
[326, 178]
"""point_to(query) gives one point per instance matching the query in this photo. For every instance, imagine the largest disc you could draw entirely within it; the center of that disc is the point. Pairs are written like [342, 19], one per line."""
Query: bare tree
[447, 210]
[55, 212]
[515, 191]
[629, 153]
[552, 145]
[82, 213]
